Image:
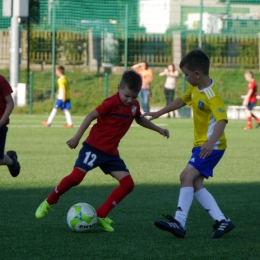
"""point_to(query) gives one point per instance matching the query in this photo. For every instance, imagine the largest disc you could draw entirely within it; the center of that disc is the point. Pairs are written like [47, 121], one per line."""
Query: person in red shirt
[6, 107]
[250, 100]
[114, 117]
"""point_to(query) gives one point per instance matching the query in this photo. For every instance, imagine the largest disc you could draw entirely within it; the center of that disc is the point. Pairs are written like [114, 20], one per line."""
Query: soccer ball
[82, 217]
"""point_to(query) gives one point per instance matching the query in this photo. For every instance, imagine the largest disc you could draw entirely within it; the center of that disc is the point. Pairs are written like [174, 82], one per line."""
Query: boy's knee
[128, 183]
[185, 178]
[182, 177]
[77, 176]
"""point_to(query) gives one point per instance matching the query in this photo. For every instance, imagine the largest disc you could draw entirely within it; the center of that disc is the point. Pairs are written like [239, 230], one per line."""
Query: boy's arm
[248, 95]
[62, 90]
[207, 148]
[176, 104]
[73, 142]
[63, 94]
[142, 121]
[8, 110]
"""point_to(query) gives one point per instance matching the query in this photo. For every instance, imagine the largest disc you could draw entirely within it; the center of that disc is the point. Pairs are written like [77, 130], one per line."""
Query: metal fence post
[201, 24]
[183, 89]
[258, 51]
[106, 85]
[31, 93]
[53, 49]
[126, 37]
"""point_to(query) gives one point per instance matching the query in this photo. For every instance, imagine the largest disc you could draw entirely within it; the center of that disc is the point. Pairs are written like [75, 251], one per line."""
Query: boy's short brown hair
[61, 69]
[250, 72]
[196, 60]
[131, 80]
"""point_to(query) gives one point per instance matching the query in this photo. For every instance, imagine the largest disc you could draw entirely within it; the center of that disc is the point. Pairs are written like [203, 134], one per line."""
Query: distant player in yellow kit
[62, 99]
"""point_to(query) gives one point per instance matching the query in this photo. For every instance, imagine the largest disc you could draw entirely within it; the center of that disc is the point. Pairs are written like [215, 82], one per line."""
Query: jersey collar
[210, 86]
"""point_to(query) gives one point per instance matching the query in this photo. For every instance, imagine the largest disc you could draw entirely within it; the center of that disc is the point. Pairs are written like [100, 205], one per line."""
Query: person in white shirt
[170, 84]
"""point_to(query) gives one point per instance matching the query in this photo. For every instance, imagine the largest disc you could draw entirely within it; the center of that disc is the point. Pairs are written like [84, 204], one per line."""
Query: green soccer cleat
[104, 223]
[43, 209]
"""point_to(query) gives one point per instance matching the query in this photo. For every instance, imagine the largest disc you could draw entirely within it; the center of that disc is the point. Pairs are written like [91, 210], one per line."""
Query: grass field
[155, 164]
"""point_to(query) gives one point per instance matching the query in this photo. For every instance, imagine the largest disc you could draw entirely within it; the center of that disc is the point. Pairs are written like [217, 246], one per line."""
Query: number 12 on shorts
[90, 159]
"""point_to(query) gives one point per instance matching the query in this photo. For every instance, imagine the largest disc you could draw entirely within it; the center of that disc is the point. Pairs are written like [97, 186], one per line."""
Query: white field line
[12, 125]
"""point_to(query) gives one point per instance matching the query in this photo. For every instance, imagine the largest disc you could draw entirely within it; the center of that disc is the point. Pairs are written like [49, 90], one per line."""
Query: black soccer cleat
[222, 227]
[15, 168]
[172, 226]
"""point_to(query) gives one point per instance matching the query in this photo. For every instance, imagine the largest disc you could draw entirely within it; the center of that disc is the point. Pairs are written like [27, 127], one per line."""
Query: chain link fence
[91, 38]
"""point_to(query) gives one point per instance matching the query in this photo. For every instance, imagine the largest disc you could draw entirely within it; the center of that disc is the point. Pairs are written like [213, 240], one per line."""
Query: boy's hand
[73, 143]
[206, 150]
[164, 132]
[152, 115]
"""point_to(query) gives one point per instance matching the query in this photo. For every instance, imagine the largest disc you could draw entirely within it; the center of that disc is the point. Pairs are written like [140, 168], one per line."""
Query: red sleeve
[105, 107]
[138, 112]
[252, 85]
[5, 87]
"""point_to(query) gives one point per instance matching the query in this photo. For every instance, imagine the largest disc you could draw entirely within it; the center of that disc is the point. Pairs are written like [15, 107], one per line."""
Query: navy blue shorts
[3, 132]
[250, 106]
[205, 166]
[62, 105]
[89, 158]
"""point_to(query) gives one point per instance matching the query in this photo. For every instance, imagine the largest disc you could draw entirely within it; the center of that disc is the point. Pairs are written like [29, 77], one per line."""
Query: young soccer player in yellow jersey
[62, 99]
[210, 120]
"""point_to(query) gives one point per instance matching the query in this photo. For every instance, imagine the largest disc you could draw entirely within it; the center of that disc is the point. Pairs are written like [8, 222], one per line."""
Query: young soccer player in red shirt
[6, 107]
[114, 117]
[250, 100]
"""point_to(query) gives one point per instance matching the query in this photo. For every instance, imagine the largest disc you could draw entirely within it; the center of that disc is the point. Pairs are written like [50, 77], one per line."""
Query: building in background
[212, 23]
[165, 15]
[153, 17]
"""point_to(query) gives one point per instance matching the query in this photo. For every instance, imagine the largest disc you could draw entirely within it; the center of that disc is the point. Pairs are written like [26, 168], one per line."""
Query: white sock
[68, 117]
[52, 115]
[184, 203]
[209, 204]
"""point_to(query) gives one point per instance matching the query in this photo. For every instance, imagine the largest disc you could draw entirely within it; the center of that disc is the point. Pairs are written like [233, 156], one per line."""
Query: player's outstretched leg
[222, 227]
[172, 225]
[115, 197]
[43, 210]
[68, 118]
[256, 118]
[15, 168]
[66, 183]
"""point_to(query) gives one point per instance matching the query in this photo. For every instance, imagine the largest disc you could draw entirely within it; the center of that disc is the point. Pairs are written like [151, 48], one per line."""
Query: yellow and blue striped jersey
[208, 109]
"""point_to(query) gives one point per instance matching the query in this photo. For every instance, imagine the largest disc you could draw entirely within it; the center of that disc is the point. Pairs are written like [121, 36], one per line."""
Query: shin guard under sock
[66, 183]
[125, 187]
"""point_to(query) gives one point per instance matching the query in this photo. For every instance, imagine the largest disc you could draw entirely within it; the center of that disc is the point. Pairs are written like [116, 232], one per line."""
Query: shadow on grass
[135, 236]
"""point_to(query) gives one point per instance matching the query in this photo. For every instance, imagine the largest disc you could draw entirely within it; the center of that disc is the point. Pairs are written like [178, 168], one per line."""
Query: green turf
[155, 164]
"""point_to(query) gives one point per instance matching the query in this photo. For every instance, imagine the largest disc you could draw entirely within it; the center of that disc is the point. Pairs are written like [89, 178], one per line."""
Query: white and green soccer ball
[82, 217]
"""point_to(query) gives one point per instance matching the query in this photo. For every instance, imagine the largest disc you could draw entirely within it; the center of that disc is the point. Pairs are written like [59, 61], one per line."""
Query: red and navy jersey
[113, 122]
[253, 85]
[5, 90]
